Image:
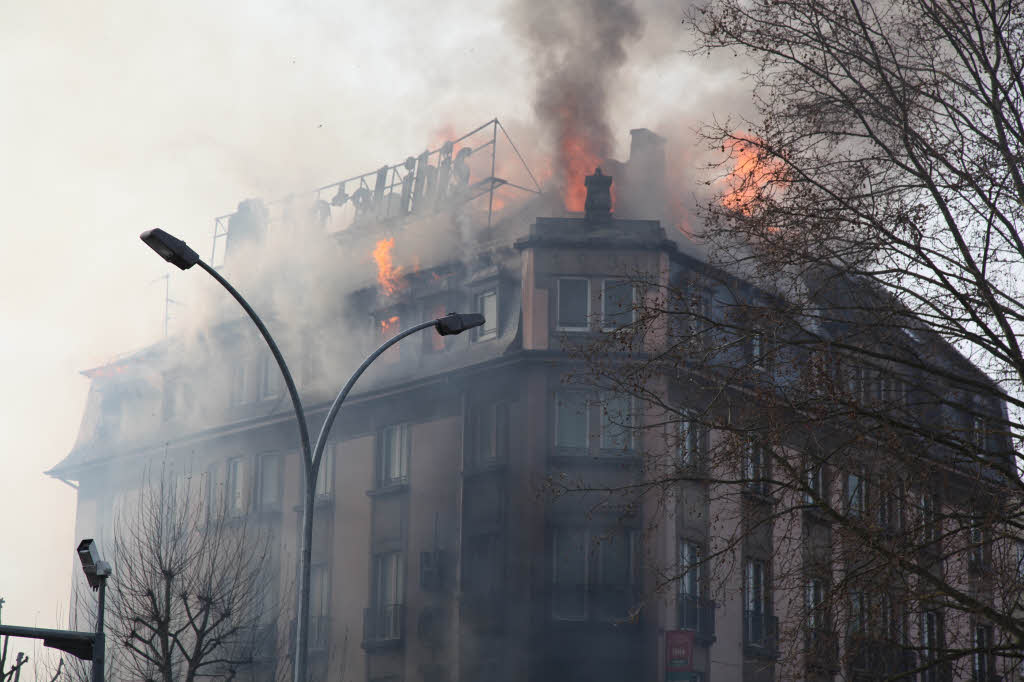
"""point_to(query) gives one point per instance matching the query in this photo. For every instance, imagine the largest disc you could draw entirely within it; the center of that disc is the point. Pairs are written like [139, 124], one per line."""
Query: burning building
[437, 555]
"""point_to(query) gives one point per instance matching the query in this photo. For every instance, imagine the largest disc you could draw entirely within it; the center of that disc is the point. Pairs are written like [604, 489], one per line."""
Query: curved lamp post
[177, 252]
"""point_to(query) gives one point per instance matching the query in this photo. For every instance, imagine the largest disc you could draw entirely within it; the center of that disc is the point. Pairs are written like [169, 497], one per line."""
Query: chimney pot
[598, 206]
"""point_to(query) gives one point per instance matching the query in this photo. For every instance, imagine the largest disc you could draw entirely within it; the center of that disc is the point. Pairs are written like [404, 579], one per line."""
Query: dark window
[593, 573]
[617, 304]
[983, 657]
[815, 603]
[815, 485]
[393, 455]
[571, 419]
[489, 435]
[692, 442]
[482, 572]
[690, 556]
[573, 304]
[931, 645]
[755, 467]
[855, 494]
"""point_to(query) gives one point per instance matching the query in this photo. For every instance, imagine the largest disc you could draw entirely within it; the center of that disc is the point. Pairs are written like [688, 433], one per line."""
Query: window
[388, 579]
[273, 381]
[855, 505]
[754, 588]
[815, 485]
[617, 304]
[487, 305]
[393, 455]
[482, 570]
[573, 304]
[977, 559]
[858, 623]
[979, 432]
[931, 643]
[692, 442]
[928, 508]
[236, 486]
[689, 569]
[616, 422]
[889, 509]
[815, 603]
[983, 663]
[325, 477]
[593, 572]
[177, 398]
[270, 482]
[489, 435]
[319, 591]
[755, 467]
[758, 351]
[571, 419]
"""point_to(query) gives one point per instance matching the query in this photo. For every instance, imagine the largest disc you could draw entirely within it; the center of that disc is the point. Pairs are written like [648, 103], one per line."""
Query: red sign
[678, 652]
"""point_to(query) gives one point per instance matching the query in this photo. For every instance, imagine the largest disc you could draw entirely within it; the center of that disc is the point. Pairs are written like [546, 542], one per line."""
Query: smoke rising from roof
[577, 50]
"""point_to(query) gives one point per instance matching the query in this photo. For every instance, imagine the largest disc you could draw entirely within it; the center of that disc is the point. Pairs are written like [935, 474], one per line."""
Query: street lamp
[177, 252]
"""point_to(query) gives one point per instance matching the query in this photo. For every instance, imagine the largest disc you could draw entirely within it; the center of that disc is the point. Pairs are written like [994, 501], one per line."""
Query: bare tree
[191, 595]
[847, 367]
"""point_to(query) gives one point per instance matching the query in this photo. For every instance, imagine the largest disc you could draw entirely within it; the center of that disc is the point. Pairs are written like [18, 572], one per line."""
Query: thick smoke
[577, 49]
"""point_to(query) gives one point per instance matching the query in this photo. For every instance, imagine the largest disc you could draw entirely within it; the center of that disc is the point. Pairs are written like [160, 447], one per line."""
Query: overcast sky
[125, 114]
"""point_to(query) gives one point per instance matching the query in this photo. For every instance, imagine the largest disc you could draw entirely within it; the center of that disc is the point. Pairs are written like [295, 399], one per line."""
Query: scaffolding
[434, 181]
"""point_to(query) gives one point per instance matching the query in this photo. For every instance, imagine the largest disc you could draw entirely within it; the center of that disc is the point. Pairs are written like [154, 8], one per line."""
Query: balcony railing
[697, 614]
[760, 634]
[383, 625]
[602, 603]
[871, 659]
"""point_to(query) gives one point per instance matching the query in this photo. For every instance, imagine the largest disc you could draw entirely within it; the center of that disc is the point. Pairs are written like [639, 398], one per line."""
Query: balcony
[870, 658]
[760, 634]
[383, 626]
[697, 614]
[594, 603]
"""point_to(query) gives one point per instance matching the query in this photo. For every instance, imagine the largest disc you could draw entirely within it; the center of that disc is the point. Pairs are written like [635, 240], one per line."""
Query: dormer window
[487, 305]
[573, 304]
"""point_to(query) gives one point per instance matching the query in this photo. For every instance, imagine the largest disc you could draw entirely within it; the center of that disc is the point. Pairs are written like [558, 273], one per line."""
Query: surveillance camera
[94, 567]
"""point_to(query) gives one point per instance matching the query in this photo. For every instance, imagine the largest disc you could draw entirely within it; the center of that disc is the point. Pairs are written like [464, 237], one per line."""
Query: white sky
[125, 114]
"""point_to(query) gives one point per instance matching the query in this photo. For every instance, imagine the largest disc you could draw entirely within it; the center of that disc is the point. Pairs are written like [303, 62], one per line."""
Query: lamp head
[456, 323]
[95, 569]
[170, 248]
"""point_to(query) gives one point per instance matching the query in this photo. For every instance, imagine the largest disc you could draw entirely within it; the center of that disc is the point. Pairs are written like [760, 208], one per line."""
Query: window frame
[558, 306]
[275, 503]
[486, 332]
[605, 315]
[558, 405]
[384, 476]
[236, 487]
[606, 437]
[855, 494]
[691, 574]
[690, 455]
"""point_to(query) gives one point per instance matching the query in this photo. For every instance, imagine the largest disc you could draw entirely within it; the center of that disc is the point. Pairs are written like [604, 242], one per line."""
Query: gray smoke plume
[576, 48]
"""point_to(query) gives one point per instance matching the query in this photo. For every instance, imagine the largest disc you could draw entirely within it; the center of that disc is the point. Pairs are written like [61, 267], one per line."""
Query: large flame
[389, 326]
[579, 159]
[388, 276]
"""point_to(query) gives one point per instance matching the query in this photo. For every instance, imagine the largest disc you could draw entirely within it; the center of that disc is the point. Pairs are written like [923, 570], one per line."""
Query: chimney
[598, 206]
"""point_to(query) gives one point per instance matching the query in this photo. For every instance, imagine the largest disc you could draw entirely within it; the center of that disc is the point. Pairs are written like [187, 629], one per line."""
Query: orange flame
[579, 160]
[389, 326]
[750, 175]
[388, 276]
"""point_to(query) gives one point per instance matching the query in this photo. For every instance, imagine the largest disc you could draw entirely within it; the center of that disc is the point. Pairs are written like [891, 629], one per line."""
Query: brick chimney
[598, 206]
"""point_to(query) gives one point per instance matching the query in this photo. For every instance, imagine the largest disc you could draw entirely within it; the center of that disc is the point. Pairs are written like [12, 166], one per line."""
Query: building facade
[451, 540]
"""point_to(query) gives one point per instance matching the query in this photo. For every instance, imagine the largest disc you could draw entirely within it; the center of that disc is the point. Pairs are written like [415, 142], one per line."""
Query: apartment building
[442, 551]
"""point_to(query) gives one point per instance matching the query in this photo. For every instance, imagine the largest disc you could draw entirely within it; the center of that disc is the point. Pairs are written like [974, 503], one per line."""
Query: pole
[99, 649]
